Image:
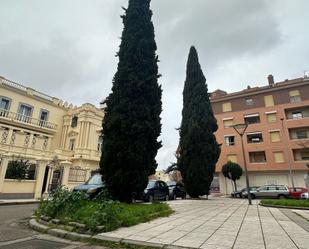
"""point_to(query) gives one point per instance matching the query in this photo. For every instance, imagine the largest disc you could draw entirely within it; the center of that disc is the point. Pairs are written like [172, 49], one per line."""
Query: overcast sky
[67, 48]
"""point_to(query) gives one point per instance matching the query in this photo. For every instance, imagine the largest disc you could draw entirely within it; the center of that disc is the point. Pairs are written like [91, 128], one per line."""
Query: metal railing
[26, 119]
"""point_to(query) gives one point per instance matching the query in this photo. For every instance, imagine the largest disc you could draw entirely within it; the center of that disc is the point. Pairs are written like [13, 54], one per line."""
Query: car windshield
[95, 180]
[151, 184]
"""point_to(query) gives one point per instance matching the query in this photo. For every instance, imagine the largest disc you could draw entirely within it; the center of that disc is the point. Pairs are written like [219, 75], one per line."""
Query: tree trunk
[235, 186]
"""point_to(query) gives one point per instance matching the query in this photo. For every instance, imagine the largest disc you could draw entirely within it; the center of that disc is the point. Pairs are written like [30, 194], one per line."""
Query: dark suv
[92, 187]
[156, 190]
[176, 189]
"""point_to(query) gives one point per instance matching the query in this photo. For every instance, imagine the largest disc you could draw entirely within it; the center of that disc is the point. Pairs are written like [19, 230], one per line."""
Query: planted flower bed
[74, 211]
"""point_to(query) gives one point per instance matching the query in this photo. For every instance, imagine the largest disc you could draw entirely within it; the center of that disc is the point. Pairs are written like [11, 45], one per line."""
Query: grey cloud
[56, 46]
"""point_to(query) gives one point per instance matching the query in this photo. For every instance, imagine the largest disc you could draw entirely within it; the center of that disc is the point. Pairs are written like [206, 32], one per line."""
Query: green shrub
[287, 202]
[76, 206]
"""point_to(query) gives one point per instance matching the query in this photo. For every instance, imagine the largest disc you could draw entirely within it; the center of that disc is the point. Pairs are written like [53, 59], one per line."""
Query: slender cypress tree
[132, 123]
[199, 150]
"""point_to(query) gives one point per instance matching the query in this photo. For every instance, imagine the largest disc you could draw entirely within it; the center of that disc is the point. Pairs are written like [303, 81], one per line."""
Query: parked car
[176, 189]
[296, 192]
[244, 194]
[156, 190]
[238, 194]
[304, 196]
[271, 191]
[92, 187]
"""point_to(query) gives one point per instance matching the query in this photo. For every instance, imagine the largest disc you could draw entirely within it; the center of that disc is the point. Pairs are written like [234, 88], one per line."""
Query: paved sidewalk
[18, 201]
[219, 223]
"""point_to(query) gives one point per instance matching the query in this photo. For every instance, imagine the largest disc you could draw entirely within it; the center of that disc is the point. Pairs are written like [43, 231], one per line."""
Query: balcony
[19, 119]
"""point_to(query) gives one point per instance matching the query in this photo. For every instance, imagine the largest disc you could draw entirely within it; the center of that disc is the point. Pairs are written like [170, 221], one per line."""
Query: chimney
[271, 80]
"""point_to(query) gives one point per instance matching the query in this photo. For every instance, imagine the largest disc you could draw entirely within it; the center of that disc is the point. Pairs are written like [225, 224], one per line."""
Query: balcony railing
[5, 114]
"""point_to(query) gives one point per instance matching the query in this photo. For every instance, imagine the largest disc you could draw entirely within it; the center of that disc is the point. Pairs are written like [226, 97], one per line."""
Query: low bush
[75, 206]
[287, 202]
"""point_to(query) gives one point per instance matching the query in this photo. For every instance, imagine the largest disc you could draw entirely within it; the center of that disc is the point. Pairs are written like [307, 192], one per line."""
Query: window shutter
[294, 93]
[226, 107]
[279, 157]
[269, 100]
[275, 136]
[228, 123]
[272, 118]
[232, 158]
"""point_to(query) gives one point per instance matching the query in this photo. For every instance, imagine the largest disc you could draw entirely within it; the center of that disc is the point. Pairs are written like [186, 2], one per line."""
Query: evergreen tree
[199, 150]
[132, 123]
[232, 171]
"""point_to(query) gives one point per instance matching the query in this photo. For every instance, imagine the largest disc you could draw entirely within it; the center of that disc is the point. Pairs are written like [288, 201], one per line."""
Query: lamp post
[287, 153]
[240, 129]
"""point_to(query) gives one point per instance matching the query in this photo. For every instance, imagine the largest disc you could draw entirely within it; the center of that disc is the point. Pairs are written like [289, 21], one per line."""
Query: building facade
[276, 141]
[60, 142]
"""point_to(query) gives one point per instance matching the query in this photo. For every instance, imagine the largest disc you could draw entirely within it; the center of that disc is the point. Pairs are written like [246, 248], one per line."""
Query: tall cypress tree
[132, 123]
[199, 150]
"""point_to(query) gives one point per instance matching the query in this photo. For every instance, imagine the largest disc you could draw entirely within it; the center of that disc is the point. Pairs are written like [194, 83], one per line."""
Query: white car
[304, 196]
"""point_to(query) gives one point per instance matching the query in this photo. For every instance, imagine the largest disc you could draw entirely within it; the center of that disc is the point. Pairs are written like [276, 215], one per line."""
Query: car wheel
[252, 196]
[281, 197]
[151, 198]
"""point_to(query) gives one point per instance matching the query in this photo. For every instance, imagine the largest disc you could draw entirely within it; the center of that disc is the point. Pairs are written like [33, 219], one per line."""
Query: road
[16, 234]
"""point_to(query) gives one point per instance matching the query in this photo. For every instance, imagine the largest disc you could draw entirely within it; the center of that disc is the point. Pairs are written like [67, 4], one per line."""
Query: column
[4, 165]
[66, 171]
[40, 172]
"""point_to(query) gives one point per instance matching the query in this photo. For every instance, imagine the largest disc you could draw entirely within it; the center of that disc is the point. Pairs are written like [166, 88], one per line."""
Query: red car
[296, 192]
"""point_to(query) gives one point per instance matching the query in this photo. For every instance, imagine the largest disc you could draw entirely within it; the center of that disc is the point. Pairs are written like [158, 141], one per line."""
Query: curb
[97, 238]
[18, 203]
[286, 207]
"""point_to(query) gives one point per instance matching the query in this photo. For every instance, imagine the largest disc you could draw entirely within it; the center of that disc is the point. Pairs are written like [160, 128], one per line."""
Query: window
[24, 113]
[77, 175]
[257, 157]
[252, 119]
[255, 138]
[229, 140]
[301, 134]
[301, 154]
[72, 144]
[297, 115]
[249, 102]
[227, 123]
[278, 157]
[100, 141]
[43, 117]
[271, 117]
[269, 100]
[74, 122]
[275, 136]
[226, 107]
[4, 106]
[295, 96]
[20, 170]
[232, 158]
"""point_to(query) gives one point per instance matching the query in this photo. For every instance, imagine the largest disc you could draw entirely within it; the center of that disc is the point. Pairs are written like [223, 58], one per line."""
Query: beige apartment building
[60, 142]
[276, 141]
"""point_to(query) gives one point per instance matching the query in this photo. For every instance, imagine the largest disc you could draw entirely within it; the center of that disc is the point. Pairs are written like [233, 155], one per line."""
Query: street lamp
[240, 129]
[287, 153]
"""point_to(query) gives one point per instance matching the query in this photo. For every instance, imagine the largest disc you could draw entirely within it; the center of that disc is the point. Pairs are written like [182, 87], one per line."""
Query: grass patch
[287, 203]
[70, 206]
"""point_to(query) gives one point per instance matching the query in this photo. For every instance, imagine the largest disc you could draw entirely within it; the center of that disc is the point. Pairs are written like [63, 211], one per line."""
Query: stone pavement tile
[302, 213]
[194, 239]
[275, 237]
[223, 240]
[295, 232]
[167, 238]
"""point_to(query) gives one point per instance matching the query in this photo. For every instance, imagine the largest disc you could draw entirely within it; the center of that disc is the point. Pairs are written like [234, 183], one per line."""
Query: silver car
[272, 191]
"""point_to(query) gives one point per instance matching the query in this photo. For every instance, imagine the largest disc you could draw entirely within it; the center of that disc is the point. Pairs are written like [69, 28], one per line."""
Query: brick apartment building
[277, 137]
